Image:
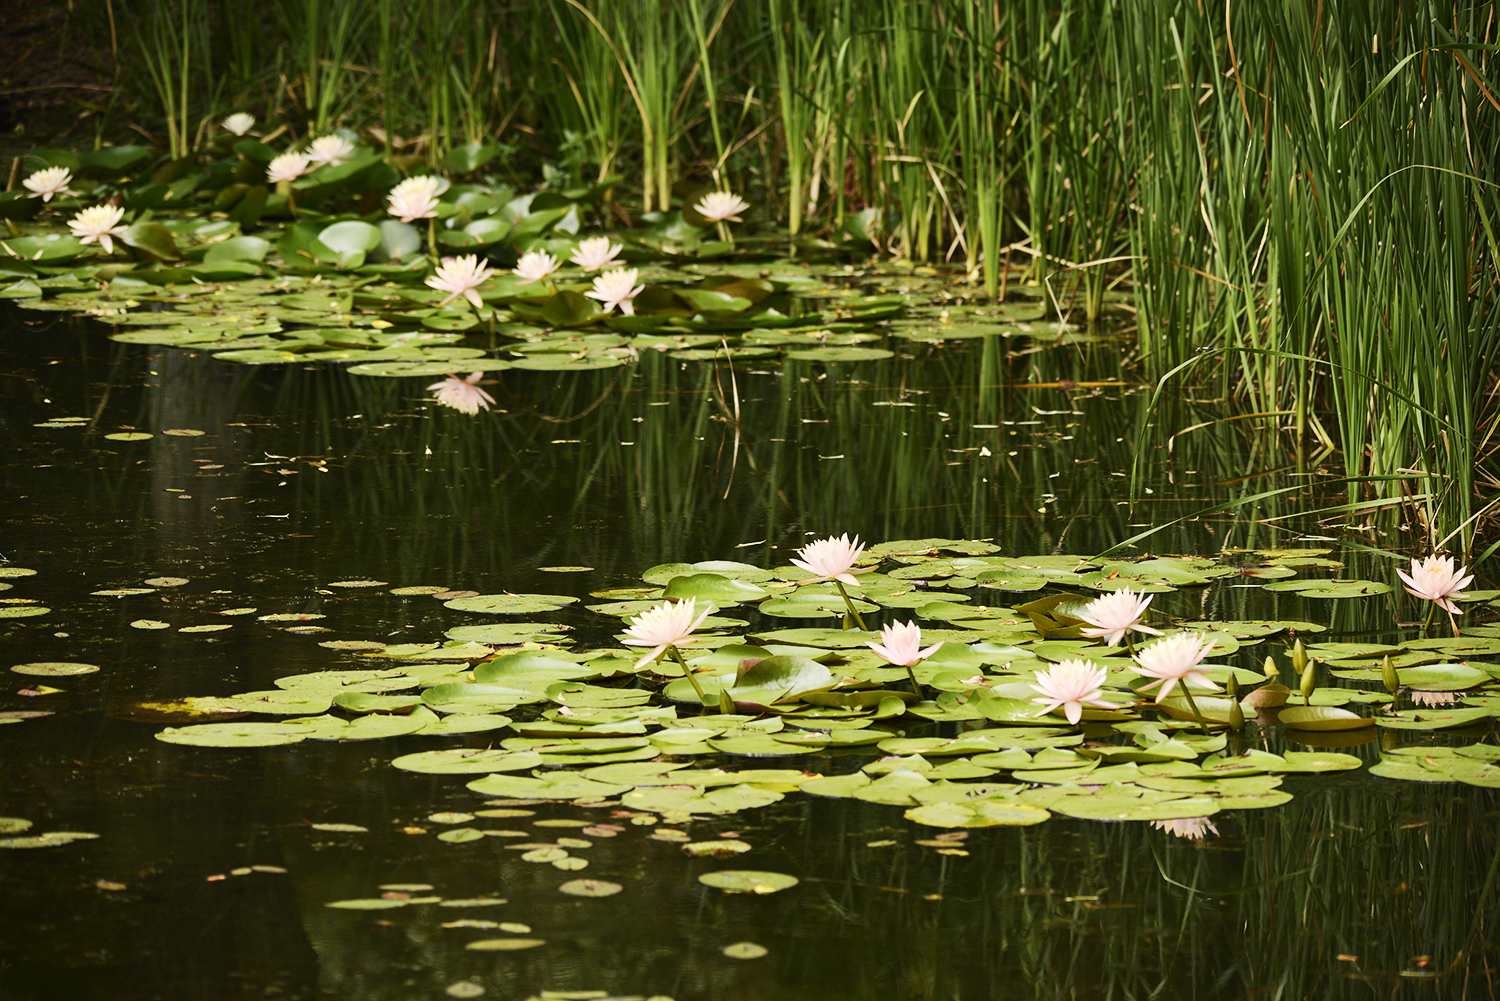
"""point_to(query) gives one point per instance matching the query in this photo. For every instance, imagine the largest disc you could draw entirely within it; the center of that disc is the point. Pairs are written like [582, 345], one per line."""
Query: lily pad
[748, 881]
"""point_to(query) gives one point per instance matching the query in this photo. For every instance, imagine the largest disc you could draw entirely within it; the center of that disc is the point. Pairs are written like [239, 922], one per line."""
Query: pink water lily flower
[595, 253]
[416, 198]
[1173, 660]
[1110, 615]
[330, 149]
[668, 624]
[463, 394]
[48, 182]
[830, 559]
[1435, 579]
[617, 288]
[901, 644]
[1070, 686]
[98, 223]
[721, 206]
[1192, 828]
[535, 265]
[287, 167]
[460, 277]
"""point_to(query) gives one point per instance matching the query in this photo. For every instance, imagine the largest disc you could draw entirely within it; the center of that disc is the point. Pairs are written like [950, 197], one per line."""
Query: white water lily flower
[668, 624]
[595, 253]
[330, 149]
[287, 167]
[616, 288]
[830, 559]
[463, 394]
[1192, 828]
[98, 223]
[901, 644]
[1110, 615]
[1070, 686]
[535, 265]
[460, 277]
[1435, 579]
[721, 206]
[239, 123]
[1172, 660]
[49, 182]
[416, 198]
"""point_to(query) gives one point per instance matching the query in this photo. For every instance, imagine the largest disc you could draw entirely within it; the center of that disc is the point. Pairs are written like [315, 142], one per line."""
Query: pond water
[213, 868]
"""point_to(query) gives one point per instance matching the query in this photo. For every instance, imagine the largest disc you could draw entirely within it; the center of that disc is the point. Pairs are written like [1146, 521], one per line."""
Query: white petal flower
[287, 167]
[49, 182]
[1112, 614]
[616, 288]
[1070, 686]
[535, 265]
[901, 644]
[595, 253]
[830, 559]
[721, 206]
[98, 223]
[668, 624]
[460, 277]
[416, 198]
[1192, 828]
[331, 149]
[463, 394]
[1172, 660]
[239, 123]
[1435, 579]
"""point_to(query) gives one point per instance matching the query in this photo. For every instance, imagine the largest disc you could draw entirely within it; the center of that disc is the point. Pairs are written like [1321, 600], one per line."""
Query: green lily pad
[1329, 588]
[234, 734]
[748, 881]
[1321, 718]
[977, 813]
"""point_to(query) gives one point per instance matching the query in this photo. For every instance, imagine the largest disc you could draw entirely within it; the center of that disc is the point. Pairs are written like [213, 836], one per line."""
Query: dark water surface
[1357, 888]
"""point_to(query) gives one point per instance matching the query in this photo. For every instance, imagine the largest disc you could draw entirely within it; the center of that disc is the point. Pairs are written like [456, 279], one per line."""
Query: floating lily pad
[234, 734]
[53, 669]
[748, 881]
[511, 604]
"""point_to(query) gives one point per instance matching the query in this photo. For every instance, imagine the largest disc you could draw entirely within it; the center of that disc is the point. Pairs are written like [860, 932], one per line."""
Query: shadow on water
[304, 476]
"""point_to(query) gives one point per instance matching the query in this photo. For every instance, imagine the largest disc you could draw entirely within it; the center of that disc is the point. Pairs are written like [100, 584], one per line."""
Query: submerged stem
[850, 605]
[691, 676]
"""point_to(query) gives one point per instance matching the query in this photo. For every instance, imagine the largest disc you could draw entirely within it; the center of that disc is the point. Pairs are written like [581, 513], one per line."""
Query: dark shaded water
[1358, 887]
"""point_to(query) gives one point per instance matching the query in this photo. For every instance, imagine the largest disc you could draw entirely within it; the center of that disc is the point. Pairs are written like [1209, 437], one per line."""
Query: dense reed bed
[1298, 196]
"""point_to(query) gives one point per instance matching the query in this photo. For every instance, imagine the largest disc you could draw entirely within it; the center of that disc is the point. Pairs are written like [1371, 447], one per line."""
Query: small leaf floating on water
[181, 433]
[20, 715]
[54, 669]
[167, 581]
[150, 624]
[748, 881]
[504, 944]
[129, 436]
[463, 989]
[341, 828]
[745, 950]
[358, 583]
[590, 888]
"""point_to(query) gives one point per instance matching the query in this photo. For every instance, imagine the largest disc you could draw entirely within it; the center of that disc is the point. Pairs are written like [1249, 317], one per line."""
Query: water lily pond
[321, 689]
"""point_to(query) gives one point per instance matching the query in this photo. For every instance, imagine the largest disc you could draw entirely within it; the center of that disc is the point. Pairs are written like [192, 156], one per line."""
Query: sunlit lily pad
[748, 881]
[234, 734]
[511, 604]
[1330, 588]
[52, 669]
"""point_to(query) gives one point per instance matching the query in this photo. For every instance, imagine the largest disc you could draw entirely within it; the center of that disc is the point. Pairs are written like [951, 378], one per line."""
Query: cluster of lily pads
[333, 256]
[582, 724]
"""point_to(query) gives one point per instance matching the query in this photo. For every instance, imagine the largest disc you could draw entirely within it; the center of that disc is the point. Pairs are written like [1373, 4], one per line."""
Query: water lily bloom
[287, 167]
[48, 182]
[416, 198]
[595, 253]
[1071, 685]
[1432, 700]
[830, 559]
[721, 206]
[463, 394]
[535, 265]
[901, 644]
[668, 624]
[1186, 827]
[1172, 660]
[616, 288]
[98, 223]
[330, 149]
[460, 277]
[239, 123]
[1110, 615]
[1435, 579]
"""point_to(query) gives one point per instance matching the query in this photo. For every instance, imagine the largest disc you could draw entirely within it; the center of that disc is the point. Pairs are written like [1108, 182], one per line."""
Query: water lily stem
[432, 239]
[913, 676]
[691, 675]
[724, 233]
[849, 604]
[1194, 707]
[1427, 622]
